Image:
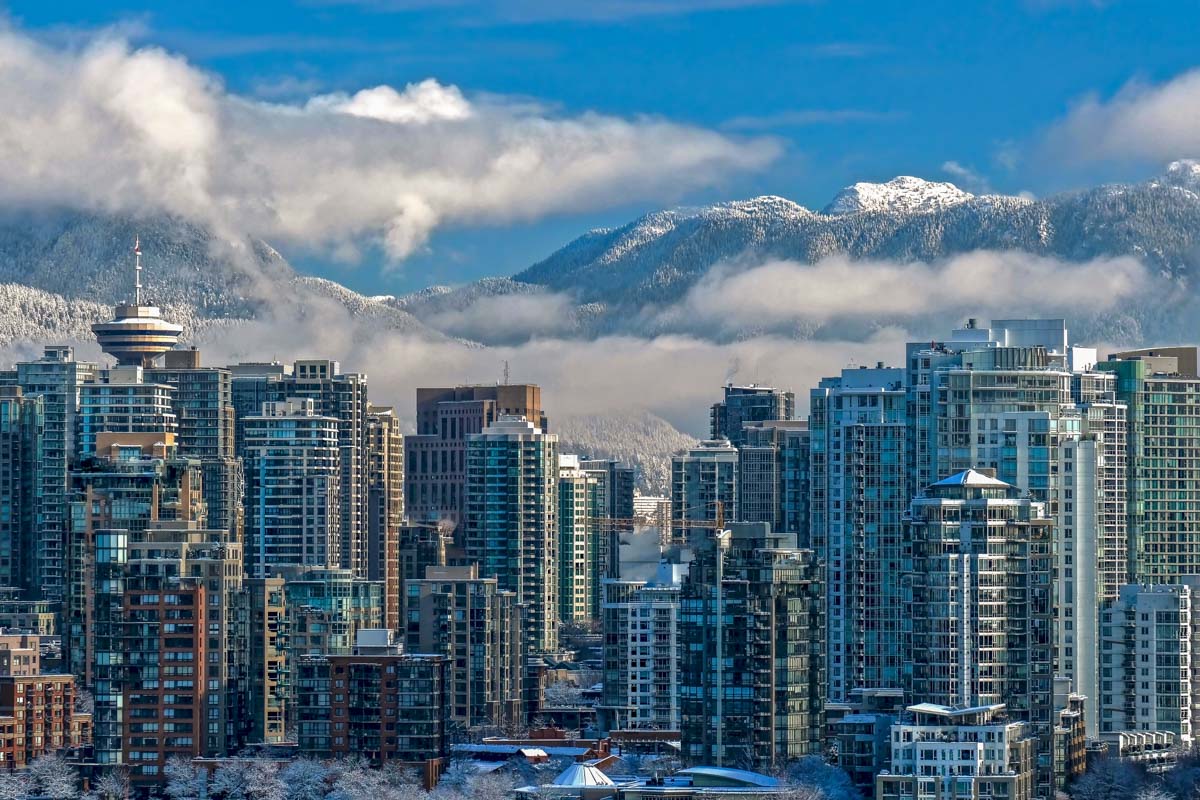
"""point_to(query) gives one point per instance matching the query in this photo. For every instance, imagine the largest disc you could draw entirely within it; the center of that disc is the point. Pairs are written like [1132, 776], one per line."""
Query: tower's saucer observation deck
[138, 334]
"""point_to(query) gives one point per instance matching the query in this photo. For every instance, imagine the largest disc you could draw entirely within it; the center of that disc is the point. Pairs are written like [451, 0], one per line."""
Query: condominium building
[641, 652]
[704, 488]
[378, 703]
[122, 400]
[268, 666]
[166, 645]
[982, 602]
[1162, 391]
[202, 400]
[327, 607]
[944, 752]
[56, 378]
[745, 405]
[135, 485]
[436, 457]
[455, 613]
[773, 482]
[1035, 412]
[751, 671]
[857, 439]
[342, 396]
[861, 732]
[22, 438]
[579, 526]
[160, 561]
[511, 523]
[1150, 661]
[293, 487]
[335, 395]
[385, 508]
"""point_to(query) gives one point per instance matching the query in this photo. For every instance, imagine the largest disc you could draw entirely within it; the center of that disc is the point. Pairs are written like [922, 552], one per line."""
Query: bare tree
[15, 786]
[185, 781]
[305, 779]
[113, 784]
[53, 777]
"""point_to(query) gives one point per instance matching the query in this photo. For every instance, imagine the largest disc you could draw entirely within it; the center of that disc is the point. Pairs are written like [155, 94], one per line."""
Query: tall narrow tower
[138, 334]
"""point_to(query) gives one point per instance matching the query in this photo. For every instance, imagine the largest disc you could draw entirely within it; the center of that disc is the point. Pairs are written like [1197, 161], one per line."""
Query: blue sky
[851, 90]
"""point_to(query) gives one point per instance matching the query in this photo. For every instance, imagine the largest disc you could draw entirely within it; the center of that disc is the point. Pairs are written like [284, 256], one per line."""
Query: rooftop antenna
[137, 270]
[506, 372]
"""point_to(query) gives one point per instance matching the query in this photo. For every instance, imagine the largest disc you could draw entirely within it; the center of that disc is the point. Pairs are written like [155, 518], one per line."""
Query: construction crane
[628, 523]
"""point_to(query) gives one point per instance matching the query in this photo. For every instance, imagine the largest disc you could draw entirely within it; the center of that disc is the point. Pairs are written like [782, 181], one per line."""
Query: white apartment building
[948, 753]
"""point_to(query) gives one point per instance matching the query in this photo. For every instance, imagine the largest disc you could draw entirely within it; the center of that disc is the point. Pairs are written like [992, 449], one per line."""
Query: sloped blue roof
[969, 477]
[734, 775]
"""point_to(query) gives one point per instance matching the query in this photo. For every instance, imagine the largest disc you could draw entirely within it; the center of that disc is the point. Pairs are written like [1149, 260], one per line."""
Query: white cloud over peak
[783, 292]
[1140, 123]
[105, 126]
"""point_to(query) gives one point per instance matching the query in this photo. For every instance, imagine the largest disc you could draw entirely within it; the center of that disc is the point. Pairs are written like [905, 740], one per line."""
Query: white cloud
[508, 318]
[786, 292]
[427, 101]
[966, 178]
[1140, 123]
[809, 116]
[104, 126]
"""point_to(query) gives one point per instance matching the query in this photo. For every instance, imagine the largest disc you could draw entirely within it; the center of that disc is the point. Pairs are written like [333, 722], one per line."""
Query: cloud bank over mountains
[107, 127]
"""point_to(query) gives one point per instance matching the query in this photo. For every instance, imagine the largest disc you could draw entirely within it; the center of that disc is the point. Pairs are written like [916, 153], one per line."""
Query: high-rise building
[455, 613]
[181, 560]
[982, 602]
[293, 486]
[744, 405]
[959, 752]
[123, 400]
[379, 703]
[202, 400]
[751, 630]
[511, 523]
[252, 384]
[56, 378]
[861, 731]
[1162, 391]
[773, 475]
[342, 396]
[1150, 661]
[134, 484]
[859, 494]
[1033, 410]
[385, 508]
[641, 652]
[579, 526]
[268, 666]
[436, 457]
[704, 488]
[22, 438]
[327, 607]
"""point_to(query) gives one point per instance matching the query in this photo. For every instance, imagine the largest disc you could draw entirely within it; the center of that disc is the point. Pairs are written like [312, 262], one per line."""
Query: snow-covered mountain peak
[1184, 174]
[901, 195]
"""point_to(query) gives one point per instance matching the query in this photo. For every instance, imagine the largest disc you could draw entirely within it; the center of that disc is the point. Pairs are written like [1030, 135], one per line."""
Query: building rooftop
[970, 477]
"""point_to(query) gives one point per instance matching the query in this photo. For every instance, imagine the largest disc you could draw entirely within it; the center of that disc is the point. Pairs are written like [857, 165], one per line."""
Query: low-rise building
[950, 753]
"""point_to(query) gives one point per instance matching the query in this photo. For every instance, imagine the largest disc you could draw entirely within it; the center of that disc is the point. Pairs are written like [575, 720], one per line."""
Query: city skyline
[610, 400]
